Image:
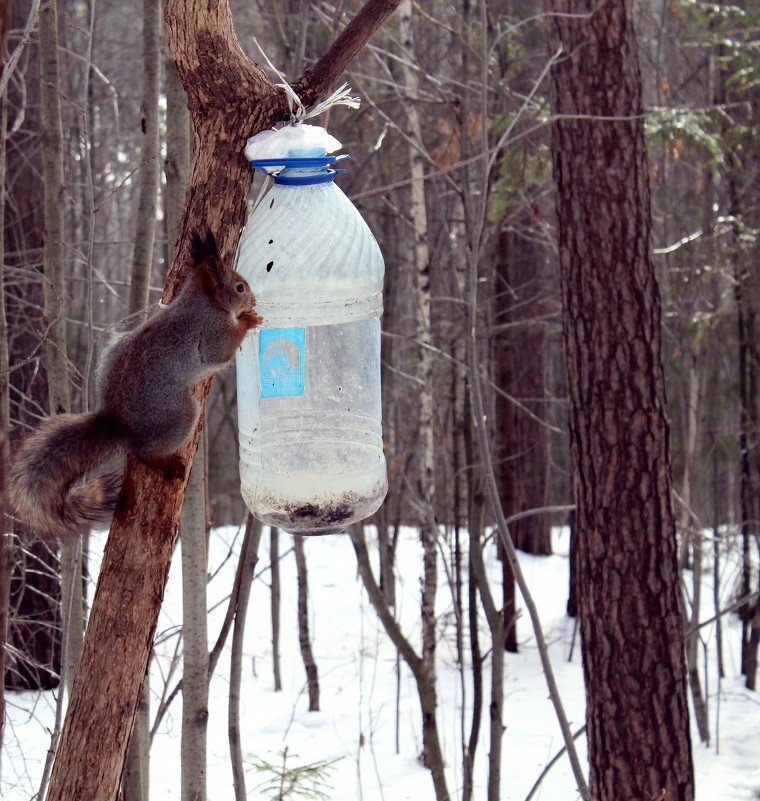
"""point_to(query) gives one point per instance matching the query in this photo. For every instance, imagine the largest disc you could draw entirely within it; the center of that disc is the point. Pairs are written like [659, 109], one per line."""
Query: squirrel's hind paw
[173, 467]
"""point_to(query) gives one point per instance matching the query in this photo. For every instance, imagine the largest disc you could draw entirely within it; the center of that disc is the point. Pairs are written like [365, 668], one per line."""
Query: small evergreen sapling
[287, 781]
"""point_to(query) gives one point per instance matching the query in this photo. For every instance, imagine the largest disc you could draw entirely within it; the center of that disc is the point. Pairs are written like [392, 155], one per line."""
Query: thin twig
[551, 763]
[10, 64]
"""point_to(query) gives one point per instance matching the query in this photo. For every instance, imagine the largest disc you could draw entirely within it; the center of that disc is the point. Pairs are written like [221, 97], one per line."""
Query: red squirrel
[146, 408]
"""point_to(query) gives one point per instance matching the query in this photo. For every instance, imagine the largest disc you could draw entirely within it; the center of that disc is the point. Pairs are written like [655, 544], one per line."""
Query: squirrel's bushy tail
[47, 465]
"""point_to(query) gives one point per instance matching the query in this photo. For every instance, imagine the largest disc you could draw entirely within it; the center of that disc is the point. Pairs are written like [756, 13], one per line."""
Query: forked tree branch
[229, 99]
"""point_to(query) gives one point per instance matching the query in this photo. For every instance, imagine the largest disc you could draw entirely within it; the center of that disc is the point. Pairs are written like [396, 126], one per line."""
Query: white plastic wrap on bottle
[309, 404]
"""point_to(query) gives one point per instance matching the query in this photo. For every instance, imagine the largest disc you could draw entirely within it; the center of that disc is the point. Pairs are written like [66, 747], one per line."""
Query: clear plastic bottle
[309, 404]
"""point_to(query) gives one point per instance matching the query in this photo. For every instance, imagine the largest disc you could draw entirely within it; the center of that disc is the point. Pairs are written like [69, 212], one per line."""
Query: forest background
[446, 88]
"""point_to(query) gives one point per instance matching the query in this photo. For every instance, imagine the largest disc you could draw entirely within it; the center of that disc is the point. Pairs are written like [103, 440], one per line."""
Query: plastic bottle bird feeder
[309, 404]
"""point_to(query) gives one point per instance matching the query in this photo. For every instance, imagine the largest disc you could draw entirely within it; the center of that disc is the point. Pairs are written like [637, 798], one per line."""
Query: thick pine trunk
[631, 622]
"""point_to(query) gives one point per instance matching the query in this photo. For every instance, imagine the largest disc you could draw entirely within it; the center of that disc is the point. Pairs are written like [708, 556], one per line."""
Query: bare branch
[319, 78]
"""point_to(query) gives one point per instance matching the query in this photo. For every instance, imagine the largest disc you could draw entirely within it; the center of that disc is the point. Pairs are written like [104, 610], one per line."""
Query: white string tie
[298, 112]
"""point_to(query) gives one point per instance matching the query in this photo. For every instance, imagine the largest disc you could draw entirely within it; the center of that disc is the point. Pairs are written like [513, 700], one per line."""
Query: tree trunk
[249, 556]
[229, 100]
[56, 361]
[385, 552]
[196, 670]
[629, 602]
[310, 665]
[691, 534]
[33, 658]
[753, 644]
[477, 687]
[148, 176]
[6, 541]
[746, 291]
[195, 661]
[55, 190]
[135, 783]
[520, 369]
[496, 624]
[495, 618]
[476, 514]
[420, 261]
[274, 560]
[425, 687]
[178, 147]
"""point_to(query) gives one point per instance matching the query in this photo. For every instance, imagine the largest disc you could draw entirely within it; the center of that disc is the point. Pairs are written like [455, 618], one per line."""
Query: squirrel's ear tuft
[203, 248]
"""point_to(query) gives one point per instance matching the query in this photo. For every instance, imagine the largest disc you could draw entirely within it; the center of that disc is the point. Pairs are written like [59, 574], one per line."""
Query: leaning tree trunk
[631, 622]
[431, 742]
[229, 99]
[249, 556]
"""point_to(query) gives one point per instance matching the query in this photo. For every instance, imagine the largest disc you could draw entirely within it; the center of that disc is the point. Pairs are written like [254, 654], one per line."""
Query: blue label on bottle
[282, 362]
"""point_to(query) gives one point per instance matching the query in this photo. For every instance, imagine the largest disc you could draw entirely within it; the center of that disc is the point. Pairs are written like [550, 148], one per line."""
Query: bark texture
[631, 621]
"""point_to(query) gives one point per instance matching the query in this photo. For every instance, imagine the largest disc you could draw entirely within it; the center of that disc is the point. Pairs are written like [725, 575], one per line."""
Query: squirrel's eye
[240, 288]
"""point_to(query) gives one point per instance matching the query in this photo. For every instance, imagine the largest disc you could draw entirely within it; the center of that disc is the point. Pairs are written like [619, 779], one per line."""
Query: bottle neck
[306, 170]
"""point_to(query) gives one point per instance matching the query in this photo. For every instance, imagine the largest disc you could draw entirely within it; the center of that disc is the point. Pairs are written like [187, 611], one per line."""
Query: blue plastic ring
[288, 178]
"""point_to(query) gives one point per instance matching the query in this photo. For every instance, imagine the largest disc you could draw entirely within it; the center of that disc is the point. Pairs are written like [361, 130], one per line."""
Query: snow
[358, 688]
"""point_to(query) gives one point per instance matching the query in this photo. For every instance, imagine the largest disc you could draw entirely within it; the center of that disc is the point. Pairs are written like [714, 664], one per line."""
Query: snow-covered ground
[362, 694]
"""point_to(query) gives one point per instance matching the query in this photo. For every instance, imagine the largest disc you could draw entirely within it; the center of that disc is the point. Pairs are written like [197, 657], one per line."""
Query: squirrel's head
[223, 285]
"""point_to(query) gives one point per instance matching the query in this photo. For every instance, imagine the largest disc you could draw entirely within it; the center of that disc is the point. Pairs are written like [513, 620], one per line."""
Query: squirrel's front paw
[250, 319]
